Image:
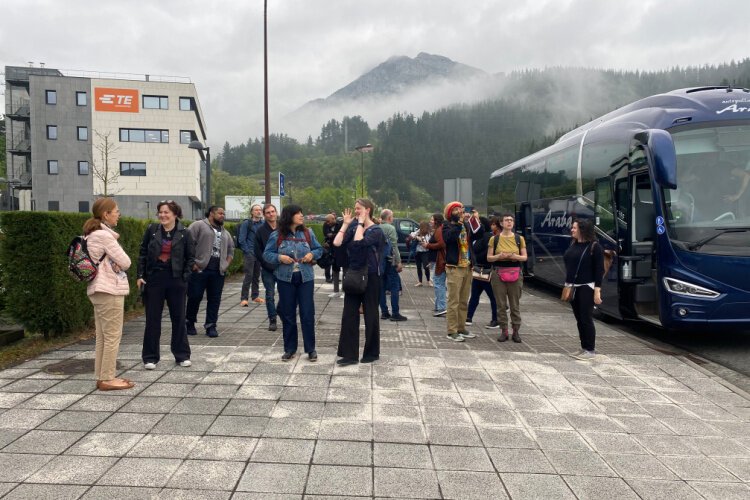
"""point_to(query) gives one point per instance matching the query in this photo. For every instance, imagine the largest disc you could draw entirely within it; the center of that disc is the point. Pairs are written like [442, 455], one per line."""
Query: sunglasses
[166, 201]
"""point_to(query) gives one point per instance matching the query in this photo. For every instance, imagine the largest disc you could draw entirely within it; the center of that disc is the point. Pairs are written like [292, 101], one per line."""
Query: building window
[52, 132]
[51, 96]
[155, 102]
[143, 135]
[52, 167]
[186, 103]
[83, 206]
[53, 206]
[82, 99]
[133, 169]
[83, 133]
[187, 136]
[83, 168]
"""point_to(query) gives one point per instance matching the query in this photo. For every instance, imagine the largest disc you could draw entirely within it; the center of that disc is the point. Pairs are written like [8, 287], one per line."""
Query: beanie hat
[449, 208]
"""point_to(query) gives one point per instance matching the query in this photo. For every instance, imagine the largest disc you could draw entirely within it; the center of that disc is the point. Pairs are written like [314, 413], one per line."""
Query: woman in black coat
[164, 264]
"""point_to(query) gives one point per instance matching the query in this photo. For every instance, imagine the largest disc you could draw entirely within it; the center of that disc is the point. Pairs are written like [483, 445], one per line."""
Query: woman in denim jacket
[293, 249]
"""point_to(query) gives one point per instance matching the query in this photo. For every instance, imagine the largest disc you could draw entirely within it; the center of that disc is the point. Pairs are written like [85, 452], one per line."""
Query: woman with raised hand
[364, 241]
[294, 249]
[107, 291]
[164, 263]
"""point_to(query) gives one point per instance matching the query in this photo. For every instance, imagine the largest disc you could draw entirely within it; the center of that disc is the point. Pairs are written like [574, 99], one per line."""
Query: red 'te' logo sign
[117, 100]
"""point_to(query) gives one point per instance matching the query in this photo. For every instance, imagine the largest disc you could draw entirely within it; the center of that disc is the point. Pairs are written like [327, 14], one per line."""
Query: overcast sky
[318, 46]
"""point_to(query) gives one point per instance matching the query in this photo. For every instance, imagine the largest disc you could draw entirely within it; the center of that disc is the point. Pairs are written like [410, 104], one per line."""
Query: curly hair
[172, 206]
[585, 229]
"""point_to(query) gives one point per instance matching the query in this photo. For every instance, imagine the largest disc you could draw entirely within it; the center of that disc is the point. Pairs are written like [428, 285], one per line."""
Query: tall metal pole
[265, 101]
[362, 171]
[208, 176]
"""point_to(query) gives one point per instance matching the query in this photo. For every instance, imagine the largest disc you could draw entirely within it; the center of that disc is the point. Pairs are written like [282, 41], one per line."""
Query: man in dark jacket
[262, 234]
[251, 265]
[458, 261]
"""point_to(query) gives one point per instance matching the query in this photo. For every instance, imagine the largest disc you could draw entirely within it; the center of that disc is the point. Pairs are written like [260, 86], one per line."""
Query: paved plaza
[432, 419]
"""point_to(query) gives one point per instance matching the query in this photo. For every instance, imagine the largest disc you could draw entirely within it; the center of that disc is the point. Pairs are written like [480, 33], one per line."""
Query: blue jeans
[390, 281]
[212, 284]
[439, 281]
[291, 295]
[269, 282]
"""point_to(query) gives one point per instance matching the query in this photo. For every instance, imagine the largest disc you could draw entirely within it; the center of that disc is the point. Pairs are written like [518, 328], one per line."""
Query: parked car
[404, 227]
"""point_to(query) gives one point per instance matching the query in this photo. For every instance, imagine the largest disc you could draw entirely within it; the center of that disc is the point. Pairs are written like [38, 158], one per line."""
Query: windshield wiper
[701, 242]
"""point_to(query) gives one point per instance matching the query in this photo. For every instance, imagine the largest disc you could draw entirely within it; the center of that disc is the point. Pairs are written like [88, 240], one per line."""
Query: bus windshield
[709, 212]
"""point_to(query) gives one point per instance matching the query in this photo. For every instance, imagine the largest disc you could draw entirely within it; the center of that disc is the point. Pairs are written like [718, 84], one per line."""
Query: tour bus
[666, 181]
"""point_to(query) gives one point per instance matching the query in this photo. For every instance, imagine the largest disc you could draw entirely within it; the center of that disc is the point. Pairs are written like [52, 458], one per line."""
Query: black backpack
[80, 264]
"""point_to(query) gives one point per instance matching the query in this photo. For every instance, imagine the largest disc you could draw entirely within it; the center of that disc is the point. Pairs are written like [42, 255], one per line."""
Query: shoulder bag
[569, 292]
[507, 274]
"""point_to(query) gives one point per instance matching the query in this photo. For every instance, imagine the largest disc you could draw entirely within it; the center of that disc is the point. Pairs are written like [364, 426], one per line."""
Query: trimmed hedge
[38, 291]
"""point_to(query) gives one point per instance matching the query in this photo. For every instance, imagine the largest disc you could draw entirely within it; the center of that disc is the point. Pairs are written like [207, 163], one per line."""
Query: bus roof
[662, 111]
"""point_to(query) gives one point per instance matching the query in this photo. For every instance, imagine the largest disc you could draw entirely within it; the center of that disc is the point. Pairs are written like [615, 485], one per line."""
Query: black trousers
[423, 261]
[583, 309]
[349, 337]
[161, 286]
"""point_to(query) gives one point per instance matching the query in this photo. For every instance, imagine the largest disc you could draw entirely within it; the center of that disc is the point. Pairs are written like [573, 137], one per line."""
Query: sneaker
[150, 366]
[211, 332]
[468, 322]
[190, 328]
[333, 295]
[313, 357]
[185, 363]
[341, 295]
[440, 313]
[244, 303]
[385, 315]
[492, 325]
[287, 356]
[418, 284]
[430, 283]
[576, 353]
[258, 300]
[456, 337]
[503, 335]
[586, 356]
[272, 325]
[467, 335]
[398, 317]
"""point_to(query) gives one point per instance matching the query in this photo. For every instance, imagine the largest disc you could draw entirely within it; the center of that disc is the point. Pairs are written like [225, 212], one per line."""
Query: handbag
[355, 281]
[569, 292]
[481, 274]
[508, 274]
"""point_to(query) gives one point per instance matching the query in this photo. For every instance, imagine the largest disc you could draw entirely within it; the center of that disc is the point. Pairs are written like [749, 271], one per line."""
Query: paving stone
[140, 472]
[339, 480]
[20, 419]
[460, 458]
[96, 402]
[200, 406]
[639, 467]
[718, 446]
[73, 470]
[283, 451]
[206, 475]
[402, 455]
[579, 463]
[267, 392]
[170, 390]
[191, 425]
[453, 435]
[299, 428]
[607, 442]
[398, 432]
[43, 442]
[520, 460]
[395, 397]
[130, 422]
[594, 488]
[506, 437]
[17, 467]
[343, 453]
[488, 417]
[298, 409]
[346, 412]
[189, 494]
[75, 421]
[561, 440]
[393, 383]
[213, 391]
[406, 483]
[533, 486]
[263, 478]
[145, 404]
[396, 413]
[722, 491]
[50, 401]
[104, 444]
[8, 436]
[11, 399]
[469, 485]
[249, 407]
[224, 448]
[238, 426]
[164, 446]
[697, 469]
[659, 490]
[304, 394]
[46, 492]
[346, 431]
[667, 445]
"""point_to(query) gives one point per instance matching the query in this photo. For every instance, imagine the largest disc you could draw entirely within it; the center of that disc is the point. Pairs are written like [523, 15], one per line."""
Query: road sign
[282, 188]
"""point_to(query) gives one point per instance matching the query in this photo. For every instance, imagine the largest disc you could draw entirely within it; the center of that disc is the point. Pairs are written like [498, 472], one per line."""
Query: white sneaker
[586, 356]
[440, 313]
[467, 335]
[341, 296]
[186, 363]
[333, 295]
[576, 354]
[456, 337]
[149, 366]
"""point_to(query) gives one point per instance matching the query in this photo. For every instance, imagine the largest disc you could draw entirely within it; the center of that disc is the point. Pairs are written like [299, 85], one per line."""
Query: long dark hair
[585, 230]
[286, 220]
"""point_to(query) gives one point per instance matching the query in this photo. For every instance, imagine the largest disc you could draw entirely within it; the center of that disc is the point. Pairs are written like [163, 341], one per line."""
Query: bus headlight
[688, 289]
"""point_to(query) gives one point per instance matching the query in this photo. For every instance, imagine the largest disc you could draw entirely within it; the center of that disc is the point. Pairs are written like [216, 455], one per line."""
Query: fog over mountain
[400, 84]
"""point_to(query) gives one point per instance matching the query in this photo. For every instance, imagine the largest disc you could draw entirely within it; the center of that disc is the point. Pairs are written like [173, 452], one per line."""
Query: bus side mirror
[665, 158]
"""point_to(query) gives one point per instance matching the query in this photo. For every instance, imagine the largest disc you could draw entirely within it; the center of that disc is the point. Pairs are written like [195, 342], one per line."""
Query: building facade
[72, 138]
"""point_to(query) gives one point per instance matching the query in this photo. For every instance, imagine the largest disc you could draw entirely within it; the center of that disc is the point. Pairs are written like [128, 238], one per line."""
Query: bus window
[598, 158]
[560, 174]
[603, 210]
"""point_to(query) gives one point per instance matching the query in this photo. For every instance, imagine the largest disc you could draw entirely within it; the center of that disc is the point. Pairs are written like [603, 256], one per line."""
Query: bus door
[637, 265]
[525, 226]
[606, 232]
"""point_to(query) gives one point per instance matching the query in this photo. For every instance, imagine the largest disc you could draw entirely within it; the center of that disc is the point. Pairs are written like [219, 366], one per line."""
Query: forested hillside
[413, 154]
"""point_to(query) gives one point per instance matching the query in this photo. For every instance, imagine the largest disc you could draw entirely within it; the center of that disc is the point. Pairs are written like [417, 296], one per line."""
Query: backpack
[80, 264]
[497, 240]
[386, 253]
[279, 241]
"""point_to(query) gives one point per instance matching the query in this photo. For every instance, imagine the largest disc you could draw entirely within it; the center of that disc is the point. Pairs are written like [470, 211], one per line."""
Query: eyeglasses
[507, 219]
[166, 201]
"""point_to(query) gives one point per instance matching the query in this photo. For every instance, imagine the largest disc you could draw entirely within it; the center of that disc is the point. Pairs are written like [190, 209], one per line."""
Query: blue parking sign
[282, 189]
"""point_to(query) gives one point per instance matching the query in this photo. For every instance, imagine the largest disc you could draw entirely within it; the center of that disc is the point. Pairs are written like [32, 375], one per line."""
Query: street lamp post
[362, 150]
[207, 158]
[267, 170]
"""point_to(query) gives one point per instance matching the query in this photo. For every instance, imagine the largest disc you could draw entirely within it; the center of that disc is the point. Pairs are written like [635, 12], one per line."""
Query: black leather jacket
[182, 252]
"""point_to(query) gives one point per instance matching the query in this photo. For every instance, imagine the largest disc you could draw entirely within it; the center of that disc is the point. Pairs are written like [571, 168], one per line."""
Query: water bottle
[626, 271]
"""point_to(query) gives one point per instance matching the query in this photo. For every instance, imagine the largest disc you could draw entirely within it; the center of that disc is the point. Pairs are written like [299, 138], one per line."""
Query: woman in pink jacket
[107, 291]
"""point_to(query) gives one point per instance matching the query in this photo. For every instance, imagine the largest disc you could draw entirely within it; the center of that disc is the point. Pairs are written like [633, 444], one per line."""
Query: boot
[503, 336]
[516, 335]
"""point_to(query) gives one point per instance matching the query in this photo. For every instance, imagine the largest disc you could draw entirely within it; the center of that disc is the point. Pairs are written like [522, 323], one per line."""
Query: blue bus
[666, 180]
